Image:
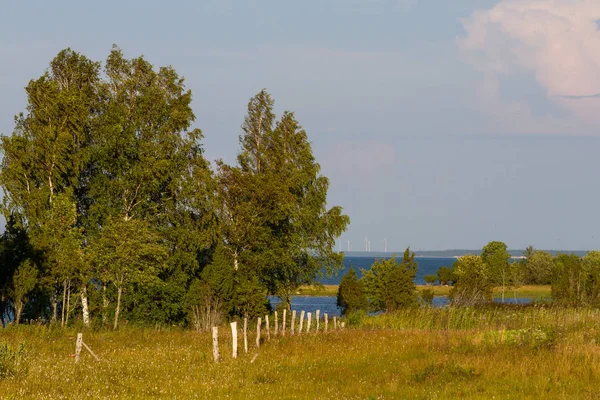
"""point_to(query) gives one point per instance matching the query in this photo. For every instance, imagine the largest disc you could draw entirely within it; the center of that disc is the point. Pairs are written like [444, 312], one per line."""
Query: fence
[278, 330]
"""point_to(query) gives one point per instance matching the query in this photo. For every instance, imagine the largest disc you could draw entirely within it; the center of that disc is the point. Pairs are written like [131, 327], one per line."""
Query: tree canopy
[110, 201]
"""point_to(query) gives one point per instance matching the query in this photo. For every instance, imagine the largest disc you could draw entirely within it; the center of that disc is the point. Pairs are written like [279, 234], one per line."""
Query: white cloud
[558, 41]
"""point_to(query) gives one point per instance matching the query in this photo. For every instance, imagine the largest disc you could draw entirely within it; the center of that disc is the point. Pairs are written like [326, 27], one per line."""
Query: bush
[445, 275]
[356, 318]
[389, 284]
[427, 297]
[351, 295]
[474, 283]
[430, 279]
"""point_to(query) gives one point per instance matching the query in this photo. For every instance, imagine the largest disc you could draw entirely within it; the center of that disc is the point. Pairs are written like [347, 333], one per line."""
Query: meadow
[428, 353]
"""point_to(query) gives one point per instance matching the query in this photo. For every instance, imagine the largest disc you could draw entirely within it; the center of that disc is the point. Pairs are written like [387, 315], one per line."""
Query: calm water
[427, 265]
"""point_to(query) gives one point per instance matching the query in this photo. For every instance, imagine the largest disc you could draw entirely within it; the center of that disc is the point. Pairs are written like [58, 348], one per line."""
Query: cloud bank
[556, 41]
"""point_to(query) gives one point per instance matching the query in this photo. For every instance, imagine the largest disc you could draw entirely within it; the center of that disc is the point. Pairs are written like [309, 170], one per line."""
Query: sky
[440, 124]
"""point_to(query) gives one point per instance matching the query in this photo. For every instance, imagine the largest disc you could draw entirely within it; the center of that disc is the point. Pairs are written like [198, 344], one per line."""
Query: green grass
[532, 291]
[496, 351]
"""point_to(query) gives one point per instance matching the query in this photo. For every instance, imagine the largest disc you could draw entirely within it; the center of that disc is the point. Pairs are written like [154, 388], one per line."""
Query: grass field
[492, 352]
[532, 291]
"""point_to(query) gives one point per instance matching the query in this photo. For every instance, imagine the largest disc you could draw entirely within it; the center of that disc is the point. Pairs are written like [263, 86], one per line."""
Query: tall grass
[502, 352]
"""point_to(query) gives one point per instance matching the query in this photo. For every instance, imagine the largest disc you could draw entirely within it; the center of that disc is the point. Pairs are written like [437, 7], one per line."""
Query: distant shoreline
[450, 253]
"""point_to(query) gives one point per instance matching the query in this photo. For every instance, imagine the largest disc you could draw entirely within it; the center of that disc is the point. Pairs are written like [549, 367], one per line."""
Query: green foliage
[389, 284]
[430, 279]
[107, 182]
[576, 281]
[356, 318]
[273, 205]
[351, 295]
[13, 361]
[128, 252]
[445, 276]
[496, 256]
[25, 279]
[427, 296]
[474, 282]
[538, 268]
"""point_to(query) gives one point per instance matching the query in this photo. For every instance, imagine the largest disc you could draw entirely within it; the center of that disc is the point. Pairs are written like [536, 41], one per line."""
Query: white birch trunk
[245, 334]
[84, 307]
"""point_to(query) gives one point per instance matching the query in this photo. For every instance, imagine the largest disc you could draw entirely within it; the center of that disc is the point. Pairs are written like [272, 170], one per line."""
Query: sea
[327, 304]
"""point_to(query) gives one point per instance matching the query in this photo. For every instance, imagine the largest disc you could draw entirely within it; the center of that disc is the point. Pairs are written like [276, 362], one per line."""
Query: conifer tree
[351, 295]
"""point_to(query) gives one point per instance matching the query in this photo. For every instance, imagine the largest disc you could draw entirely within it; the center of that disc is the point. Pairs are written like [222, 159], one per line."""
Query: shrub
[427, 297]
[474, 284]
[430, 279]
[351, 295]
[389, 284]
[445, 275]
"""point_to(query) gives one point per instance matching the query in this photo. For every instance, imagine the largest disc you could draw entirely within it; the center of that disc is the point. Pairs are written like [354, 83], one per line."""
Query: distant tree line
[388, 285]
[114, 213]
[575, 280]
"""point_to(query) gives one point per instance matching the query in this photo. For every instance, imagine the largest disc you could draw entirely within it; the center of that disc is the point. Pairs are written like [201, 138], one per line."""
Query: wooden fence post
[283, 325]
[276, 324]
[234, 339]
[245, 334]
[258, 322]
[78, 345]
[318, 317]
[215, 337]
[268, 328]
[326, 321]
[309, 317]
[293, 321]
[343, 324]
[334, 323]
[301, 322]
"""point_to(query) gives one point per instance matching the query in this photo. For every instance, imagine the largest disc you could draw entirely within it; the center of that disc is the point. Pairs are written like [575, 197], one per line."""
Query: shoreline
[529, 291]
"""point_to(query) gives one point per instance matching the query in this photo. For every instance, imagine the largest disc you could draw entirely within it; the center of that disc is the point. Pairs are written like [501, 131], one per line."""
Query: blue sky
[441, 124]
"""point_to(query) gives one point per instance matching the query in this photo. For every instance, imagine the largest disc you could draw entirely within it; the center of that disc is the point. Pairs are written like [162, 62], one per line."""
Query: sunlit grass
[524, 352]
[531, 291]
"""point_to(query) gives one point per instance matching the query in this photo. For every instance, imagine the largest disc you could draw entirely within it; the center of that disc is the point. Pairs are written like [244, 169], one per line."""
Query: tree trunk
[84, 306]
[68, 303]
[54, 307]
[18, 310]
[104, 305]
[118, 308]
[64, 302]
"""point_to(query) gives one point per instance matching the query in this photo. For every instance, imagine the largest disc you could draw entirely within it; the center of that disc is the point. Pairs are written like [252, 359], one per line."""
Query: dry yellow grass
[501, 353]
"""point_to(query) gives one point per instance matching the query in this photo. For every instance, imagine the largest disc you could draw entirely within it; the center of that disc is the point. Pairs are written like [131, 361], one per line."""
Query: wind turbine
[366, 243]
[385, 245]
[348, 246]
